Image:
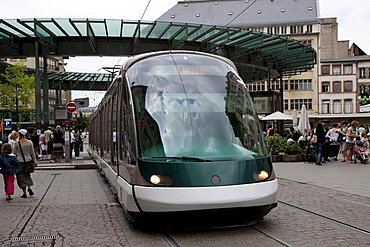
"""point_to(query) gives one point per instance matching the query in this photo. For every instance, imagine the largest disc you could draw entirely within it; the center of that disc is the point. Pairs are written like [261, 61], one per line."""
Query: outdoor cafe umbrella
[295, 118]
[277, 116]
[304, 121]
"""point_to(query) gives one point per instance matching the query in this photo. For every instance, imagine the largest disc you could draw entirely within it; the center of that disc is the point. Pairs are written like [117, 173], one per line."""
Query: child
[364, 140]
[365, 145]
[9, 166]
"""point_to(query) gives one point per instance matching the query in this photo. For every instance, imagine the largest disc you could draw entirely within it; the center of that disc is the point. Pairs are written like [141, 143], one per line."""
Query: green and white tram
[176, 135]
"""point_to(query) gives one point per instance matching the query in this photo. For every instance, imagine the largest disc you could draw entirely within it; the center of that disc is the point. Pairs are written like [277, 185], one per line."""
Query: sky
[352, 17]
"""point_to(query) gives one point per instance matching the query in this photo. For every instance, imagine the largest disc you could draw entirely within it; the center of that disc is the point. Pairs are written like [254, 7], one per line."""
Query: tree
[82, 122]
[17, 90]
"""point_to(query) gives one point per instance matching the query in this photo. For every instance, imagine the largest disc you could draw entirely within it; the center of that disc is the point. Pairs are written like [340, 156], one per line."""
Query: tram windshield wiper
[182, 158]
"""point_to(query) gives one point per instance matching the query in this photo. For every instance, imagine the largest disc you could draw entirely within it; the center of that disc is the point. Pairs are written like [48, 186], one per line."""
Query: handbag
[29, 166]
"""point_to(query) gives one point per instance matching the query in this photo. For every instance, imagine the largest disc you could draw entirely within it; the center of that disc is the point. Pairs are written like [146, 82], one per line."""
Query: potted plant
[293, 152]
[276, 146]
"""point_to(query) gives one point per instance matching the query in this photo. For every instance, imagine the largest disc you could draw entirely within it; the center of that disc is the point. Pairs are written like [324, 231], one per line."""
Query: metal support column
[45, 94]
[37, 87]
[281, 93]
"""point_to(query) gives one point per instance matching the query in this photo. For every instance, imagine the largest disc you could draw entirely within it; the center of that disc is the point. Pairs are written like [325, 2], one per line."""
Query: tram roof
[253, 52]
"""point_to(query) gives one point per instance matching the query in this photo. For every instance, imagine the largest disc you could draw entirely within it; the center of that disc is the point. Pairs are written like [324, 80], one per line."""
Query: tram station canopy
[256, 54]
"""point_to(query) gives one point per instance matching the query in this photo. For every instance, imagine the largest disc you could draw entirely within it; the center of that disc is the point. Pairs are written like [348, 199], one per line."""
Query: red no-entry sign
[71, 107]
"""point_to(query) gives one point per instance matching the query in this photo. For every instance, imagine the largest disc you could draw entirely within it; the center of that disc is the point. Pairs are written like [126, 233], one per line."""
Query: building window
[336, 106]
[275, 85]
[283, 30]
[286, 104]
[269, 30]
[347, 87]
[325, 87]
[362, 73]
[309, 28]
[286, 85]
[336, 69]
[325, 69]
[347, 69]
[297, 103]
[325, 106]
[260, 105]
[277, 30]
[301, 85]
[257, 86]
[348, 106]
[337, 87]
[296, 29]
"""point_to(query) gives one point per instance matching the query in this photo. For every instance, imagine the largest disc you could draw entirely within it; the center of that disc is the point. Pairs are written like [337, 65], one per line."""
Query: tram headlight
[160, 180]
[261, 175]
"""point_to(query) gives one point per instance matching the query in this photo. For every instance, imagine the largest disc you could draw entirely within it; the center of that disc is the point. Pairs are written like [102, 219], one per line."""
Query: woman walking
[333, 134]
[58, 147]
[350, 140]
[320, 135]
[25, 152]
[9, 166]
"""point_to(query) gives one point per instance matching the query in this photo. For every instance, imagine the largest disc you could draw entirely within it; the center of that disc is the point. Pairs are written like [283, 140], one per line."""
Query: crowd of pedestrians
[21, 147]
[348, 138]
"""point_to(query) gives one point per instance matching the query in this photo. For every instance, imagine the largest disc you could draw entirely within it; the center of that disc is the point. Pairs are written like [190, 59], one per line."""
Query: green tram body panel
[197, 174]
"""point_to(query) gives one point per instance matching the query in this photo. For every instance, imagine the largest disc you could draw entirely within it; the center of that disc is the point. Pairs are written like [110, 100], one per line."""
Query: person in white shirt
[13, 138]
[49, 142]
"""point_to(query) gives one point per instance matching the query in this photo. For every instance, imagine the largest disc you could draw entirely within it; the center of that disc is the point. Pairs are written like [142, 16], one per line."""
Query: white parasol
[295, 118]
[304, 121]
[277, 116]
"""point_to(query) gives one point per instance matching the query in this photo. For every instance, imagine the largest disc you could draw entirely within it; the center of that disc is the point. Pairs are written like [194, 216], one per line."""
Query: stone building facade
[299, 20]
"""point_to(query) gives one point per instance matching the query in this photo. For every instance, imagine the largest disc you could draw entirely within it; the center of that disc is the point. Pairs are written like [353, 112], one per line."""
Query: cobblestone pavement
[350, 178]
[75, 207]
[70, 208]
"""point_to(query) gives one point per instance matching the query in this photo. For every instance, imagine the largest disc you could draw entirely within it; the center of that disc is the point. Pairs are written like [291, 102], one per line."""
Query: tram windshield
[193, 106]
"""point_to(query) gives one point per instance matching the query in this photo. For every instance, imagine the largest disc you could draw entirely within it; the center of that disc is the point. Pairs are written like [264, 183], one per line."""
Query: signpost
[71, 107]
[6, 124]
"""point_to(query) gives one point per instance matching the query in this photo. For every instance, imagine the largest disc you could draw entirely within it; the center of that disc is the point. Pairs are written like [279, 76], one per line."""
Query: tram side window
[128, 144]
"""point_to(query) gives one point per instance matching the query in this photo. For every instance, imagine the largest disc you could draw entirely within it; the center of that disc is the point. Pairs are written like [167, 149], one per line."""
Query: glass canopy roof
[108, 37]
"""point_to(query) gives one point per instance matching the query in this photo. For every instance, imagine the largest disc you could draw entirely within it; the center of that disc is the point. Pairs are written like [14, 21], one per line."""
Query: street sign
[7, 124]
[71, 107]
[81, 102]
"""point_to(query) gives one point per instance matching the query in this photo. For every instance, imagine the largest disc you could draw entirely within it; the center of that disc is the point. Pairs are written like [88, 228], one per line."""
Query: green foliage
[82, 122]
[279, 145]
[18, 85]
[293, 148]
[276, 144]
